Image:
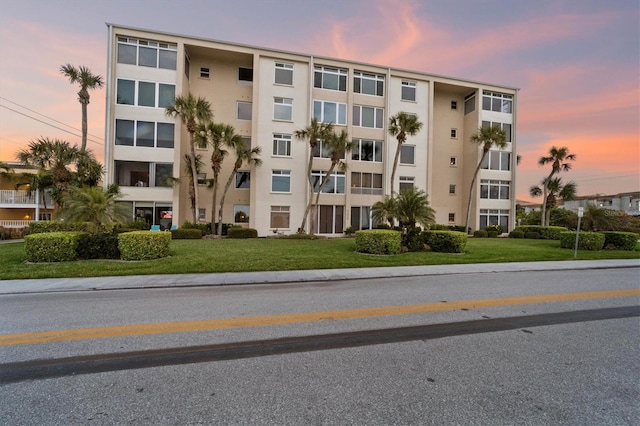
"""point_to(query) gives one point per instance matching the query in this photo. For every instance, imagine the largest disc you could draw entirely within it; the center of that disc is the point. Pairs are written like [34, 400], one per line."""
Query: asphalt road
[498, 348]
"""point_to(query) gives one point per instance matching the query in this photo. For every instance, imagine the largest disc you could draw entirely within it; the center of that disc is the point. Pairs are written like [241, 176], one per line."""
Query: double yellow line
[175, 327]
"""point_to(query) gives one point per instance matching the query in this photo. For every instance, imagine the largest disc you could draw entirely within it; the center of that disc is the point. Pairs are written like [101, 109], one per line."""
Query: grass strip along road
[187, 326]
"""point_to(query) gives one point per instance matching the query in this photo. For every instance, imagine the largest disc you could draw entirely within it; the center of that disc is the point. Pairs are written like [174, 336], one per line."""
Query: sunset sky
[577, 63]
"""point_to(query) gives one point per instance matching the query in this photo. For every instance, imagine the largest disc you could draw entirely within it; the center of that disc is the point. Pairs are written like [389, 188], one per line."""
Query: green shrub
[492, 234]
[12, 233]
[205, 228]
[516, 234]
[413, 239]
[378, 241]
[239, 232]
[300, 236]
[52, 246]
[532, 235]
[349, 231]
[593, 241]
[620, 240]
[57, 226]
[544, 232]
[446, 241]
[144, 245]
[98, 246]
[186, 234]
[480, 234]
[494, 228]
[139, 225]
[383, 226]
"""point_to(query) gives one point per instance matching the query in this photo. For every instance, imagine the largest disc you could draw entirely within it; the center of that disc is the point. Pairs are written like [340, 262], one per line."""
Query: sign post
[580, 214]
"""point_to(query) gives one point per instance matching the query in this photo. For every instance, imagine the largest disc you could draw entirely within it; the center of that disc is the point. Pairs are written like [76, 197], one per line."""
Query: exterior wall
[434, 145]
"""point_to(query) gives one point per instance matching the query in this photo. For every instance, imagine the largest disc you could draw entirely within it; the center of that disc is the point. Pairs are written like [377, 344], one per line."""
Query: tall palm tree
[217, 136]
[558, 158]
[88, 170]
[87, 81]
[187, 171]
[54, 157]
[487, 137]
[555, 190]
[251, 156]
[94, 204]
[191, 111]
[338, 144]
[314, 133]
[401, 125]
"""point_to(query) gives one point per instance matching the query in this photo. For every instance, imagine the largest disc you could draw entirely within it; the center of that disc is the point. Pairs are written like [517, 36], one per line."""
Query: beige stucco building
[266, 95]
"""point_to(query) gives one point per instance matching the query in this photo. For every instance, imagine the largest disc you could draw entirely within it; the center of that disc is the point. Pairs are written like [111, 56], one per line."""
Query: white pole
[580, 213]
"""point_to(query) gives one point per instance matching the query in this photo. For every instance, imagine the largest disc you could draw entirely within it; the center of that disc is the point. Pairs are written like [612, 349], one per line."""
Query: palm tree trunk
[194, 178]
[306, 210]
[224, 194]
[395, 166]
[323, 183]
[214, 226]
[84, 127]
[473, 184]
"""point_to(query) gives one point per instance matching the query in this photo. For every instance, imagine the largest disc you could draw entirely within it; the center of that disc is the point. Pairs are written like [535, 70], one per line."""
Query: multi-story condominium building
[268, 94]
[629, 202]
[19, 204]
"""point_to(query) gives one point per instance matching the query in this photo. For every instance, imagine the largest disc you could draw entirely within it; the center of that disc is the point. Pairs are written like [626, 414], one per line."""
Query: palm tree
[187, 172]
[191, 111]
[6, 171]
[54, 157]
[338, 144]
[599, 219]
[244, 154]
[314, 133]
[555, 189]
[216, 136]
[87, 81]
[385, 211]
[487, 137]
[557, 158]
[412, 207]
[93, 204]
[401, 125]
[88, 170]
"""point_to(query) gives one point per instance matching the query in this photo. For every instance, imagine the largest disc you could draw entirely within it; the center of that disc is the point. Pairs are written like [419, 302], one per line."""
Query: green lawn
[206, 256]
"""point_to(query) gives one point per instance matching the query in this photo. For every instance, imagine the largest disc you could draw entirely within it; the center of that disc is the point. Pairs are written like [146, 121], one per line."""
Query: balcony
[22, 199]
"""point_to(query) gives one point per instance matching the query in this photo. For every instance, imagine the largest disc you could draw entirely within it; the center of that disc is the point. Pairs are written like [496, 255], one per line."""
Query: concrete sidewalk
[238, 278]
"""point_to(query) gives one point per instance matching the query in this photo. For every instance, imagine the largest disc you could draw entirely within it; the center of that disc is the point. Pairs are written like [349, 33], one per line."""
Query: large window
[494, 217]
[143, 174]
[281, 181]
[330, 78]
[282, 109]
[144, 133]
[504, 126]
[364, 116]
[330, 220]
[408, 91]
[284, 74]
[361, 218]
[470, 103]
[145, 93]
[497, 160]
[335, 184]
[244, 111]
[368, 84]
[366, 183]
[498, 102]
[281, 145]
[330, 112]
[243, 180]
[323, 150]
[147, 53]
[241, 214]
[367, 150]
[407, 154]
[406, 183]
[494, 189]
[280, 216]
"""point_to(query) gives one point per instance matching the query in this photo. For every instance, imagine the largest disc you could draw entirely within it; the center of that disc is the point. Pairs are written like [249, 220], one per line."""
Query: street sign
[580, 211]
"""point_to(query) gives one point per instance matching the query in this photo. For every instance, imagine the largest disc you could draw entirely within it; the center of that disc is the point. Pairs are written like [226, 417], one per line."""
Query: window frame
[158, 46]
[358, 183]
[404, 181]
[493, 189]
[238, 103]
[377, 152]
[378, 117]
[205, 73]
[402, 148]
[281, 139]
[134, 129]
[281, 104]
[341, 73]
[283, 67]
[340, 106]
[248, 80]
[240, 208]
[240, 184]
[337, 181]
[377, 79]
[285, 211]
[409, 85]
[285, 175]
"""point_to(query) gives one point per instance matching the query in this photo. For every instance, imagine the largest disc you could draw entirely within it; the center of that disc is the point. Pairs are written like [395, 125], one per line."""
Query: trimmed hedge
[44, 226]
[52, 246]
[544, 232]
[494, 228]
[144, 245]
[378, 241]
[492, 234]
[620, 240]
[532, 235]
[446, 241]
[516, 234]
[238, 232]
[480, 234]
[593, 241]
[100, 246]
[186, 234]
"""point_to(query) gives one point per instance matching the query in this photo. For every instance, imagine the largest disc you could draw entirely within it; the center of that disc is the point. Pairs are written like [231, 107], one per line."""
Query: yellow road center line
[173, 327]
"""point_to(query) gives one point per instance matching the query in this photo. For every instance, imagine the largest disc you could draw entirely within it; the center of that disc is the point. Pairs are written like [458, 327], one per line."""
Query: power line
[45, 116]
[49, 124]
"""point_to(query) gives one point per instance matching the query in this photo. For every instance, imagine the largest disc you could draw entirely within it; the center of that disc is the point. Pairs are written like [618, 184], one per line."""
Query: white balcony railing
[14, 223]
[22, 198]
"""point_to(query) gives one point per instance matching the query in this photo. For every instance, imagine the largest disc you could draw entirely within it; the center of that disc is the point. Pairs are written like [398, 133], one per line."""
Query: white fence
[14, 223]
[21, 198]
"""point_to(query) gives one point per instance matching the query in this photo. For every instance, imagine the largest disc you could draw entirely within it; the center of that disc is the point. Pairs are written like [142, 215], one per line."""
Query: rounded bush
[495, 228]
[52, 246]
[480, 234]
[378, 241]
[144, 245]
[492, 234]
[446, 241]
[186, 234]
[620, 240]
[544, 232]
[238, 232]
[100, 246]
[593, 241]
[532, 235]
[516, 234]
